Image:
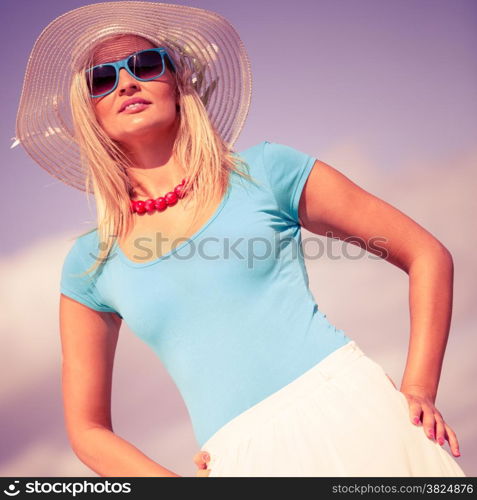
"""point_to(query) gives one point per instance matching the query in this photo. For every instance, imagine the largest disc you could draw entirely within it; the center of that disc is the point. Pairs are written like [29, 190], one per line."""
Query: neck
[155, 170]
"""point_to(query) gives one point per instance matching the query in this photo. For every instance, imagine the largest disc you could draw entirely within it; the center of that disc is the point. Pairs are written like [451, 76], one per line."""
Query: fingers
[201, 460]
[440, 428]
[433, 425]
[428, 421]
[415, 413]
[418, 413]
[452, 438]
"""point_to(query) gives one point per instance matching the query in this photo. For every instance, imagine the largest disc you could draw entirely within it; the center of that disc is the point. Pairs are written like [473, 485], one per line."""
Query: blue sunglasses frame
[123, 63]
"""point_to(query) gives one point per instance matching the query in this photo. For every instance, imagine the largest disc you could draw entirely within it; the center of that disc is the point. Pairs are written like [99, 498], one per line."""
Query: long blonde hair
[198, 146]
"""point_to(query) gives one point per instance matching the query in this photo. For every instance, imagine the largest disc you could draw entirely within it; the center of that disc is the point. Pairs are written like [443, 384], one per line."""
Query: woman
[158, 94]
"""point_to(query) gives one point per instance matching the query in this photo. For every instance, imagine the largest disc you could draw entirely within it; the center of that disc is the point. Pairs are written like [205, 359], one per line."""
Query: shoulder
[83, 249]
[285, 170]
[253, 151]
[269, 153]
[252, 156]
[261, 156]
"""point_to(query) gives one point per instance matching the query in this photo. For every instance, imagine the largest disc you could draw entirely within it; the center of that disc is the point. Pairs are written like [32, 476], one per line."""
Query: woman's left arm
[334, 206]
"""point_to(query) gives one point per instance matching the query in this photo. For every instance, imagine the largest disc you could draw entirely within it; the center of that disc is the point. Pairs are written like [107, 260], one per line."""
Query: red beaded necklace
[159, 204]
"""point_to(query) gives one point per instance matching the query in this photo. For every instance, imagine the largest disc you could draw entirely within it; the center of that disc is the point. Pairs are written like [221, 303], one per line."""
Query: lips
[132, 101]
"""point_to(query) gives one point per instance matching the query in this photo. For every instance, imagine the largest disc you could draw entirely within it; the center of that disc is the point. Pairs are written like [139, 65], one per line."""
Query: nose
[127, 83]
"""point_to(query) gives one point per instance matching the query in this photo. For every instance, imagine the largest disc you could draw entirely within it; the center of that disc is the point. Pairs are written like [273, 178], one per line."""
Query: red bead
[171, 198]
[140, 208]
[161, 203]
[150, 205]
[179, 191]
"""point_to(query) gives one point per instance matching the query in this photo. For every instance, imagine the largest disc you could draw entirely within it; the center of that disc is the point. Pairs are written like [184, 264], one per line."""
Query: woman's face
[160, 114]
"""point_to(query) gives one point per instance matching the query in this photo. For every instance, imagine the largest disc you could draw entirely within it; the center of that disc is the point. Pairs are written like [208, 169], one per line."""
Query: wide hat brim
[44, 125]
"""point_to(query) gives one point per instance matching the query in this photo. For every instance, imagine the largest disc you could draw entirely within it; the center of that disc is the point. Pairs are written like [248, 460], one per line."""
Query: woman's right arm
[88, 342]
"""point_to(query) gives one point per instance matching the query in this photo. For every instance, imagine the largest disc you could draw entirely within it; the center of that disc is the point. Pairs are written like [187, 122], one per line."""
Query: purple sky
[385, 91]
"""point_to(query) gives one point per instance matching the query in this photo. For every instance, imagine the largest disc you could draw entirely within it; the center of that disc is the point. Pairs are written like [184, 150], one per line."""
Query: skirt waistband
[335, 363]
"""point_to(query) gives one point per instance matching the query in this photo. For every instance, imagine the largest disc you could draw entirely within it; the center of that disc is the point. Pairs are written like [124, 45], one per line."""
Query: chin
[142, 130]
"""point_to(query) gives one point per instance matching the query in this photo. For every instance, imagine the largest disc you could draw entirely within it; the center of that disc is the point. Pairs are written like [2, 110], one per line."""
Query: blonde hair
[198, 147]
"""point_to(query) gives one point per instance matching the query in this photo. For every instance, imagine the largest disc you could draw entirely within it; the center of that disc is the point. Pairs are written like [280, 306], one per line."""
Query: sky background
[384, 91]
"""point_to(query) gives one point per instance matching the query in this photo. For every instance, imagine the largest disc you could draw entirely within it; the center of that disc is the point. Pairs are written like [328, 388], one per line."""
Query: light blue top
[228, 311]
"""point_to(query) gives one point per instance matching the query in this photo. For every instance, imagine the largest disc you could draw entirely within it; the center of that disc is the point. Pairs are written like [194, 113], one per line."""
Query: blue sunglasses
[144, 65]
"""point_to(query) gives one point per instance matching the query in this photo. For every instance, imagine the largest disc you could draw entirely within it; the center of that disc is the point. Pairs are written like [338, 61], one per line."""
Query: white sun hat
[201, 38]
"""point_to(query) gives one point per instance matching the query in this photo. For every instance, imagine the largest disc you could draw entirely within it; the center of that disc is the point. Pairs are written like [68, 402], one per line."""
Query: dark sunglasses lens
[146, 64]
[101, 80]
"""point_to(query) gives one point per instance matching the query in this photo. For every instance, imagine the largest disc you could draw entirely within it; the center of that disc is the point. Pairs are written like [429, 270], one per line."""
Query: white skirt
[341, 418]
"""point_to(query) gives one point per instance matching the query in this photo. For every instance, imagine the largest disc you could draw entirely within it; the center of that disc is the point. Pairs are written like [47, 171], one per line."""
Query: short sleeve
[80, 288]
[287, 170]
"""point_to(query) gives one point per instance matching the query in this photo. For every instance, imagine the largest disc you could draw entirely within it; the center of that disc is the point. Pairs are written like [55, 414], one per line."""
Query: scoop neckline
[124, 258]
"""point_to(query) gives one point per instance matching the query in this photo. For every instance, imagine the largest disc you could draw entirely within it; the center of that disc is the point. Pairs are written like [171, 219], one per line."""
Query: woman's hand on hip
[422, 411]
[201, 459]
